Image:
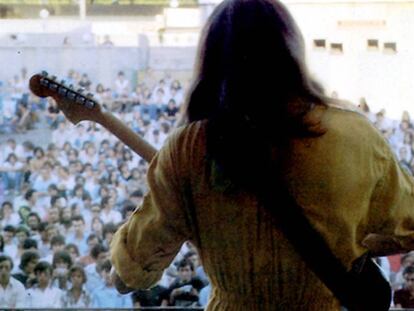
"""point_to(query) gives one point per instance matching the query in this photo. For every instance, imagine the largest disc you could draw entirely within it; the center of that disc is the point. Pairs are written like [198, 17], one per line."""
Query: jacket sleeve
[148, 242]
[393, 205]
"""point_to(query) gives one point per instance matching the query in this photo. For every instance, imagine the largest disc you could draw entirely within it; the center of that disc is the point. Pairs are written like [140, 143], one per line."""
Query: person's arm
[392, 212]
[143, 247]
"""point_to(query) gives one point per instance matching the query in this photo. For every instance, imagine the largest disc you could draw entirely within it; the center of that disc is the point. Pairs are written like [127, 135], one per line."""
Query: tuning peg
[62, 91]
[81, 90]
[63, 82]
[71, 86]
[80, 100]
[44, 73]
[89, 104]
[53, 78]
[89, 95]
[71, 95]
[44, 82]
[53, 86]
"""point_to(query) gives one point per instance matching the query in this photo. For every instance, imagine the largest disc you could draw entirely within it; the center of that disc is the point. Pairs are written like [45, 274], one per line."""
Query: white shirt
[113, 216]
[11, 250]
[14, 220]
[13, 296]
[50, 297]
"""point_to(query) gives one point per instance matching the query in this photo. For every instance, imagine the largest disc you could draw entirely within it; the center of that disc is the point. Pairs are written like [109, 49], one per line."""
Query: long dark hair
[252, 85]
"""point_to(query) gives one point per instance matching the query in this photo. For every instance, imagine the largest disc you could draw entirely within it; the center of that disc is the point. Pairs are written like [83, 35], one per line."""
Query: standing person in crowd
[254, 111]
[12, 292]
[43, 294]
[76, 296]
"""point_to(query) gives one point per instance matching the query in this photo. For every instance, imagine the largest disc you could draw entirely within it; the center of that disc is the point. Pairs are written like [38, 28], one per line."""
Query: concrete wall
[100, 63]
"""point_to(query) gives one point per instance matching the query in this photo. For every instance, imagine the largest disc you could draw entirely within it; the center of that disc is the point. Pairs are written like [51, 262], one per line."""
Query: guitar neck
[127, 136]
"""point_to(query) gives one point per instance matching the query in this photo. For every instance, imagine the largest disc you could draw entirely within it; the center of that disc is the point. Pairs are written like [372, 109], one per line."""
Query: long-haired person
[253, 112]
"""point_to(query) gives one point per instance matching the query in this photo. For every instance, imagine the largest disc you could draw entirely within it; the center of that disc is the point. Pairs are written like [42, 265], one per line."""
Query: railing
[135, 309]
[108, 309]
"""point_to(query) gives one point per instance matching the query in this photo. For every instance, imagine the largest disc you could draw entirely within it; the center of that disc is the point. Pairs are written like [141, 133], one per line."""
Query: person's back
[333, 177]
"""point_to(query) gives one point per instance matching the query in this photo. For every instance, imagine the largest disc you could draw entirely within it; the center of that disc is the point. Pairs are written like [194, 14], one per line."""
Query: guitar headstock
[75, 104]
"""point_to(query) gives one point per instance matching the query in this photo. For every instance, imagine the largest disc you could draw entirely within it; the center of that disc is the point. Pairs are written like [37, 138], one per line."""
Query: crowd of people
[62, 203]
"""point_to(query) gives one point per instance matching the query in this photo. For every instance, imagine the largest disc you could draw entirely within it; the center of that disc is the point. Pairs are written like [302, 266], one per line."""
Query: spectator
[76, 296]
[106, 295]
[61, 264]
[404, 298]
[26, 274]
[108, 214]
[10, 246]
[92, 240]
[96, 223]
[73, 251]
[8, 216]
[57, 244]
[150, 297]
[109, 230]
[12, 173]
[107, 41]
[12, 292]
[43, 294]
[33, 222]
[184, 291]
[121, 86]
[99, 254]
[79, 236]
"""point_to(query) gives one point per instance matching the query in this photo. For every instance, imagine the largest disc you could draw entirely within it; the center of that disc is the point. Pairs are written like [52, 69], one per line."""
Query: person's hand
[176, 292]
[121, 287]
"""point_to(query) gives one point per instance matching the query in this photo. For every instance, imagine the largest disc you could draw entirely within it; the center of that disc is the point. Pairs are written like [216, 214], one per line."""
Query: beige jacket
[348, 182]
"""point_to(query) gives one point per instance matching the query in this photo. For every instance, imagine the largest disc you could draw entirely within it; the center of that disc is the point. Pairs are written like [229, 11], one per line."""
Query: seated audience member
[12, 292]
[99, 254]
[43, 294]
[92, 240]
[10, 245]
[184, 291]
[76, 296]
[8, 216]
[404, 298]
[406, 260]
[149, 297]
[79, 236]
[73, 251]
[106, 295]
[57, 243]
[61, 264]
[26, 274]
